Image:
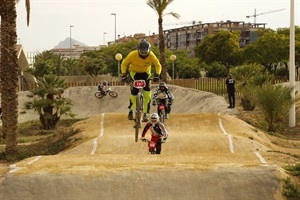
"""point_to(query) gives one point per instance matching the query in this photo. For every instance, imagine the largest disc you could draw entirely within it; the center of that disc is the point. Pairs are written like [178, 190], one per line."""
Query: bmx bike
[139, 84]
[153, 144]
[162, 100]
[111, 93]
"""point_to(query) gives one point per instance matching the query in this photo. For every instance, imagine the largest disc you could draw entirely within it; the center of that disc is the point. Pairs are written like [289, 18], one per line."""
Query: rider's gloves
[124, 78]
[143, 139]
[156, 78]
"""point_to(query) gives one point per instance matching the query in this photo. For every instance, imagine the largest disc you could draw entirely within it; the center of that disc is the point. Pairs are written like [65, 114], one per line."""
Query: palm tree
[274, 101]
[9, 73]
[48, 102]
[249, 77]
[160, 6]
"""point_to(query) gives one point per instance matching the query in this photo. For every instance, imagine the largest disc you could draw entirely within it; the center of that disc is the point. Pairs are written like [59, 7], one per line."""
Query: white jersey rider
[162, 94]
[101, 86]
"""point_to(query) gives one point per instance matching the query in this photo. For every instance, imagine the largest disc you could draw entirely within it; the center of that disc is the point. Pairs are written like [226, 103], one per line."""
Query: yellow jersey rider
[139, 62]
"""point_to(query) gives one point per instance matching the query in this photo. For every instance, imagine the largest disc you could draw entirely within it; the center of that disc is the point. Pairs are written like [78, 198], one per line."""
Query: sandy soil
[210, 154]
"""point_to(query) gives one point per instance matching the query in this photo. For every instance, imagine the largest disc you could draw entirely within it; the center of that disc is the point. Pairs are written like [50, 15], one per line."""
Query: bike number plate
[139, 83]
[152, 144]
[161, 106]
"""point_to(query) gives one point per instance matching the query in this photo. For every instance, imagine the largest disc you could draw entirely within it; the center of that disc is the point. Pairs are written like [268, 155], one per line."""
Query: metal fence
[214, 85]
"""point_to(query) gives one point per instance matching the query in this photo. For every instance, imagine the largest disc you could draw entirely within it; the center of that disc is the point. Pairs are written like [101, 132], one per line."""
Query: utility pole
[71, 41]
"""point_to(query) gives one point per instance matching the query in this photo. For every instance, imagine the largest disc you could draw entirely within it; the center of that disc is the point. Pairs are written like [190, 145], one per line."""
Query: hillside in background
[66, 43]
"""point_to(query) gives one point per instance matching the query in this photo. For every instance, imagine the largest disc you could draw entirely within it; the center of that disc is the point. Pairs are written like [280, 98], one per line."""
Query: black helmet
[144, 48]
[163, 86]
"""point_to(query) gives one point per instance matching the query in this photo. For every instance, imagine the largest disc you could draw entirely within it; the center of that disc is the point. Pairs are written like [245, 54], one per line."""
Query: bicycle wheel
[138, 115]
[162, 116]
[113, 94]
[136, 133]
[98, 95]
[137, 124]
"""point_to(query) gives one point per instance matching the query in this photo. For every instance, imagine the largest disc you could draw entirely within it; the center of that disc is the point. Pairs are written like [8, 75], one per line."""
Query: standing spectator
[230, 84]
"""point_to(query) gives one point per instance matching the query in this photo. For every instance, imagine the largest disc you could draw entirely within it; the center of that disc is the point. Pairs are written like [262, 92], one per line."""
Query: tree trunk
[162, 50]
[9, 76]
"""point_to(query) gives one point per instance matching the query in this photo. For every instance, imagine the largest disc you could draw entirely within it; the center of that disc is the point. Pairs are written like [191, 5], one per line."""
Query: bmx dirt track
[210, 154]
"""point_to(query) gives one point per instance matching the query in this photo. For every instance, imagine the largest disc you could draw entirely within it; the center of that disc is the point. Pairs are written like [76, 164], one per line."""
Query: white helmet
[154, 118]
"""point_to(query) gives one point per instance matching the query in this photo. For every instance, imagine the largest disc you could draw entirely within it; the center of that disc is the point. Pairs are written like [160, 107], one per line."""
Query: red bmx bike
[154, 145]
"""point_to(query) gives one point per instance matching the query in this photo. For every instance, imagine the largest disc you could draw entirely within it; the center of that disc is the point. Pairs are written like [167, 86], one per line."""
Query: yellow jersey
[140, 65]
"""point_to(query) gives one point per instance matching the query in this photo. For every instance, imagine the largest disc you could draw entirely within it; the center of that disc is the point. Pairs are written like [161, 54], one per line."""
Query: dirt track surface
[210, 154]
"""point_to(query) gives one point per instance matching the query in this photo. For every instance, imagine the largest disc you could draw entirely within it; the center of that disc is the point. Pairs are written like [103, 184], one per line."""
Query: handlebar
[129, 79]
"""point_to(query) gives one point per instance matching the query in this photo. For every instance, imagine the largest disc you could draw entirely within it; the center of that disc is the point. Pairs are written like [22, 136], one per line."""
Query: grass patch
[33, 140]
[290, 190]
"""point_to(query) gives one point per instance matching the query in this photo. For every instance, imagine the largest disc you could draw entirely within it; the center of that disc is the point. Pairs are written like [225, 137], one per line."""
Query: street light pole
[104, 38]
[115, 25]
[292, 111]
[173, 58]
[71, 41]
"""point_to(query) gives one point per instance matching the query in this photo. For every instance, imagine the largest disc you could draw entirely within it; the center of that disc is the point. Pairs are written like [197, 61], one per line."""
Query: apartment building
[188, 37]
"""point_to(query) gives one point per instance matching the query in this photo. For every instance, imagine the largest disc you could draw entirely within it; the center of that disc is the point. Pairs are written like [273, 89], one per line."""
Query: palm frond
[176, 15]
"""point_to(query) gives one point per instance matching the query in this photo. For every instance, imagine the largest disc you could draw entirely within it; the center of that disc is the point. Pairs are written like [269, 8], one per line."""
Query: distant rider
[101, 87]
[158, 131]
[140, 62]
[158, 97]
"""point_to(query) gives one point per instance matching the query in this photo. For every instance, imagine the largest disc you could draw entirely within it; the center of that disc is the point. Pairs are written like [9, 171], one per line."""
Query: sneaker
[166, 116]
[130, 115]
[152, 151]
[145, 118]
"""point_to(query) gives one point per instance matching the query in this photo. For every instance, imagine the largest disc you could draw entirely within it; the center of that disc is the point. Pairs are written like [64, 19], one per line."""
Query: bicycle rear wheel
[98, 95]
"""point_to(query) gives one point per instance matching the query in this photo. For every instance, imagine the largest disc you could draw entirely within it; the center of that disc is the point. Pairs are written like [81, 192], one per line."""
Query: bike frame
[161, 111]
[152, 145]
[139, 84]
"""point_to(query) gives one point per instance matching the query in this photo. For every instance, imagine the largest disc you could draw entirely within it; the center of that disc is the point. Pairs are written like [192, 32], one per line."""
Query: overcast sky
[50, 20]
